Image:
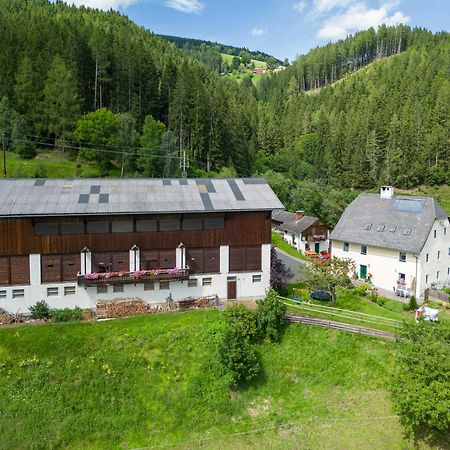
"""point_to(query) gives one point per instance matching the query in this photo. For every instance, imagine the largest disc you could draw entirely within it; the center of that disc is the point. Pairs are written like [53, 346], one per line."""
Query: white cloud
[300, 6]
[259, 31]
[103, 4]
[358, 16]
[186, 6]
[323, 6]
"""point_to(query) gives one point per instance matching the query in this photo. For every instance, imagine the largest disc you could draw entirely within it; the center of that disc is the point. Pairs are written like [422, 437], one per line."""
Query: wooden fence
[318, 322]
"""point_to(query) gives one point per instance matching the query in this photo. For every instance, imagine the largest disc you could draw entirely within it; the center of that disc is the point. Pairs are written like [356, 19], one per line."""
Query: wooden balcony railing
[140, 276]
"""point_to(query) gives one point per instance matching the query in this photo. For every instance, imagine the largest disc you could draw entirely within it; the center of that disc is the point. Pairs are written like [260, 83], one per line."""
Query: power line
[117, 150]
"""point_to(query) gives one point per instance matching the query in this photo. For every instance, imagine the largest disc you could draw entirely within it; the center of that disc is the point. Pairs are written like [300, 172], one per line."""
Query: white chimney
[298, 215]
[387, 192]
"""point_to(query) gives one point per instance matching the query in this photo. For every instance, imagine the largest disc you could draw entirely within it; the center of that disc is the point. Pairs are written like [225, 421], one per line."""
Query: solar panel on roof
[39, 182]
[410, 205]
[95, 189]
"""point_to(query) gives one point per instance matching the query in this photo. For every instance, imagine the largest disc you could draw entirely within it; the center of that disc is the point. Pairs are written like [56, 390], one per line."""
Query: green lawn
[49, 164]
[153, 381]
[278, 241]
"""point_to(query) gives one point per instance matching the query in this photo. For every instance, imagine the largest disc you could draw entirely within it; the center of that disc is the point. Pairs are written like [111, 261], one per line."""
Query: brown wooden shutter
[20, 270]
[51, 268]
[149, 259]
[253, 258]
[167, 259]
[101, 262]
[121, 261]
[71, 266]
[195, 260]
[4, 270]
[237, 259]
[212, 260]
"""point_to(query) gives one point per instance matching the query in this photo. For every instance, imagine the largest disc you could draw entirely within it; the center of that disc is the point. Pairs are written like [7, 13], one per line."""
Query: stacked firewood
[120, 307]
[186, 303]
[7, 318]
[204, 302]
[201, 302]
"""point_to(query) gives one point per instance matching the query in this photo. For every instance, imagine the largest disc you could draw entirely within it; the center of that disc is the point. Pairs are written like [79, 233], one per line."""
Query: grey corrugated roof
[401, 213]
[300, 225]
[52, 197]
[280, 215]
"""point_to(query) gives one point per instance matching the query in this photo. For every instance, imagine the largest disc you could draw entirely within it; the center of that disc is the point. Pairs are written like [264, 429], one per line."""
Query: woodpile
[120, 307]
[202, 302]
[7, 318]
[186, 303]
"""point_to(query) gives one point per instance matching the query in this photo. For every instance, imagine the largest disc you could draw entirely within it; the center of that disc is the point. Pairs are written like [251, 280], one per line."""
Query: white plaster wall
[383, 264]
[35, 269]
[432, 246]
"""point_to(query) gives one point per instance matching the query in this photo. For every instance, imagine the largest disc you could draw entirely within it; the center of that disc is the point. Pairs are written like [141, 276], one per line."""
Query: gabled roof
[280, 215]
[363, 220]
[300, 225]
[55, 197]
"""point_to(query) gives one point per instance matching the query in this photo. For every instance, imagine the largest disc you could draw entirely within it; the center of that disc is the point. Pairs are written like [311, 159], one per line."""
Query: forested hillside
[75, 74]
[210, 53]
[371, 109]
[387, 122]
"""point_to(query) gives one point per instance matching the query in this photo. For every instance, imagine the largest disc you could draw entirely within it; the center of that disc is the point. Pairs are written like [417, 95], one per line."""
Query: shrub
[238, 356]
[373, 297]
[270, 316]
[40, 310]
[362, 289]
[242, 320]
[66, 314]
[381, 301]
[421, 377]
[413, 303]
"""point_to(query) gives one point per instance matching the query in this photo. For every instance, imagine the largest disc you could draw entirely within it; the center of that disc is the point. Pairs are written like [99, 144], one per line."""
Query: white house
[395, 240]
[302, 232]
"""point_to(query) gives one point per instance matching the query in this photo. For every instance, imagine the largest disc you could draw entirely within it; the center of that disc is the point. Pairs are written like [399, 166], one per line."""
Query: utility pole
[184, 163]
[4, 154]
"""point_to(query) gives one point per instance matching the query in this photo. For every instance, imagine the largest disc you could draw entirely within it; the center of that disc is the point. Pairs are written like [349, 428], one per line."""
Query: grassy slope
[283, 245]
[152, 380]
[54, 164]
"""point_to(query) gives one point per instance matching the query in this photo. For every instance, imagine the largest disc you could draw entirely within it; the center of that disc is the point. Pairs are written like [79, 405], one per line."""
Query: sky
[282, 28]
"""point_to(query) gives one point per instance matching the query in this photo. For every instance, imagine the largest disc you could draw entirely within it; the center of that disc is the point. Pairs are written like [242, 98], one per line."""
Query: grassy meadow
[153, 381]
[50, 164]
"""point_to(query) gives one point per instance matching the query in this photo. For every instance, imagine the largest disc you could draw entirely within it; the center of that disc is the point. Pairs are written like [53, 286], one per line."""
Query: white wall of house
[249, 285]
[385, 266]
[436, 268]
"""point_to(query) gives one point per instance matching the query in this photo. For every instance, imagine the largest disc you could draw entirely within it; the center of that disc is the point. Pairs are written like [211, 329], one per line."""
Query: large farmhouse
[73, 242]
[395, 241]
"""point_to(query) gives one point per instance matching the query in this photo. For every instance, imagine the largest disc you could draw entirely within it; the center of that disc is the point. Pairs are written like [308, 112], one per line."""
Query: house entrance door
[362, 271]
[231, 288]
[317, 247]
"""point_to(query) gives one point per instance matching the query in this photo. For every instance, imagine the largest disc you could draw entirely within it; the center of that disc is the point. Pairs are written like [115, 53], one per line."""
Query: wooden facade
[59, 242]
[18, 236]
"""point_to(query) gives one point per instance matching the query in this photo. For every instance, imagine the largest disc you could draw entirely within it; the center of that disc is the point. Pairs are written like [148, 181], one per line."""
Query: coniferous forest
[373, 108]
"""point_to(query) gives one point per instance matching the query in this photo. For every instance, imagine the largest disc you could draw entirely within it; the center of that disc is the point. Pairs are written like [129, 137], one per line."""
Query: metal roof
[400, 223]
[53, 197]
[298, 226]
[280, 215]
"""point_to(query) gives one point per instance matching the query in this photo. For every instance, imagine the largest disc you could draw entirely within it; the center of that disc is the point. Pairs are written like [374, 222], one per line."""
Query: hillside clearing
[153, 380]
